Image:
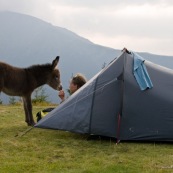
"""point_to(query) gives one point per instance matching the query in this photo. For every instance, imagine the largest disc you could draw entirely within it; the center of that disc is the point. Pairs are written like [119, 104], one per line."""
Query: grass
[53, 151]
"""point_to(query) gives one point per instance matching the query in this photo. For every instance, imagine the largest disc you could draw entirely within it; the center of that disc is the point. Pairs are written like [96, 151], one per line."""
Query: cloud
[136, 21]
[109, 3]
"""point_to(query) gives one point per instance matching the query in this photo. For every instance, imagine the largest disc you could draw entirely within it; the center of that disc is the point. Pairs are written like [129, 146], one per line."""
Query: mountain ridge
[26, 40]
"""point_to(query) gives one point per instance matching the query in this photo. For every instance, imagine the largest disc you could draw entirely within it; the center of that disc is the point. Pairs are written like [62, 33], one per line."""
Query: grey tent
[112, 104]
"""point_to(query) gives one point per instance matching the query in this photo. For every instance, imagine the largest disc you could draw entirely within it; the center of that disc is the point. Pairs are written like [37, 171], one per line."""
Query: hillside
[46, 151]
[26, 40]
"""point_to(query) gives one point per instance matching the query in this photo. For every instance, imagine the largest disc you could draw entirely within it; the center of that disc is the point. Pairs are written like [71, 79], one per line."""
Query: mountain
[26, 40]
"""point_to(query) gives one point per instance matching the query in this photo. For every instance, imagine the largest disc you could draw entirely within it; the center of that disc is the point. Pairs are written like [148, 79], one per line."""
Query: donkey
[22, 82]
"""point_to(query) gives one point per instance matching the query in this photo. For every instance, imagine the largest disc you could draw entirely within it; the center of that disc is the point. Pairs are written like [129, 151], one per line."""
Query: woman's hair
[79, 80]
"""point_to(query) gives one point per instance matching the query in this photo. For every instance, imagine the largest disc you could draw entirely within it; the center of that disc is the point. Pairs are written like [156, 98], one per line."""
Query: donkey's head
[54, 77]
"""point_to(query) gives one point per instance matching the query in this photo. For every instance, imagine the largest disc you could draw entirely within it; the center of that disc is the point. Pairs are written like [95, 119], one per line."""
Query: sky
[138, 25]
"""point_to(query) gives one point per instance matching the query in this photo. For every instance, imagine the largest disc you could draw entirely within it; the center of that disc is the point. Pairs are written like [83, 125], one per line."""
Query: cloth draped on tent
[141, 73]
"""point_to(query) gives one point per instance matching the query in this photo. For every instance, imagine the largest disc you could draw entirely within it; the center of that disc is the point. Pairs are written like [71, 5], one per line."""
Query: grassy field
[52, 151]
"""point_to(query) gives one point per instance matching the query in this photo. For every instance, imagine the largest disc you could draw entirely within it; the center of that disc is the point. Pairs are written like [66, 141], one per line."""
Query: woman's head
[76, 82]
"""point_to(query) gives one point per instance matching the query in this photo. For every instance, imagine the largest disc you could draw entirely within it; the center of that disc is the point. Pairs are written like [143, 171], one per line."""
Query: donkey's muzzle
[60, 87]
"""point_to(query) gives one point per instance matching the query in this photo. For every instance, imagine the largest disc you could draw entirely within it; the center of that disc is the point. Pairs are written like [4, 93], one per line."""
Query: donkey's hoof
[31, 124]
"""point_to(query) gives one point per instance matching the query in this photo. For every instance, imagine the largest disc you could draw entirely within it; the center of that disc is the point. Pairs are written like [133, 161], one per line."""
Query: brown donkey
[22, 82]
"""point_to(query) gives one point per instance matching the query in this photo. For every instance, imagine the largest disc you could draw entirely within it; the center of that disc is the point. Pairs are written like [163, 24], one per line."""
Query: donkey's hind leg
[28, 111]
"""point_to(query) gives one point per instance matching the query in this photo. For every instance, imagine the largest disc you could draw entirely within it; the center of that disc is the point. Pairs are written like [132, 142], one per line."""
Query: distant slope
[26, 40]
[163, 60]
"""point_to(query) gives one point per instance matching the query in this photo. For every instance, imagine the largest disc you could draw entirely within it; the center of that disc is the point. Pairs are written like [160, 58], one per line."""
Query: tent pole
[118, 129]
[122, 100]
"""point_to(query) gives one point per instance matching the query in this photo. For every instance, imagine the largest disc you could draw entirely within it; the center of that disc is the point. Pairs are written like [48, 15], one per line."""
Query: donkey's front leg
[28, 110]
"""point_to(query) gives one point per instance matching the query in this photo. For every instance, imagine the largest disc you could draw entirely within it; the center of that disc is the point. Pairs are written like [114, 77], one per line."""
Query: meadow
[54, 151]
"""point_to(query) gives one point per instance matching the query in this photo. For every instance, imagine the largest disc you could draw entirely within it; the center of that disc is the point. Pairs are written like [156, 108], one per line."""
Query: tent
[112, 104]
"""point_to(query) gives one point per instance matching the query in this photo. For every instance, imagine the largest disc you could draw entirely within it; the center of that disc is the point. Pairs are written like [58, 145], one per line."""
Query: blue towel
[140, 73]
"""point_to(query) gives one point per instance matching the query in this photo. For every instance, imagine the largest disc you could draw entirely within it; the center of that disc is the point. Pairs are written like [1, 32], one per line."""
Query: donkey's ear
[55, 62]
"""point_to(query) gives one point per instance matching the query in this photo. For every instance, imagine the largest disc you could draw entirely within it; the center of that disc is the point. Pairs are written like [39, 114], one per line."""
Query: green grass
[53, 151]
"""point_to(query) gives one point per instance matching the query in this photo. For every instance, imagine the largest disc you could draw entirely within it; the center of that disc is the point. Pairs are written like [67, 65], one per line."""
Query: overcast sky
[139, 25]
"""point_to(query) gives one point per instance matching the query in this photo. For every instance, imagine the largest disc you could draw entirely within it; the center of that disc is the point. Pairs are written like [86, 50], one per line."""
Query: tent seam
[91, 113]
[122, 101]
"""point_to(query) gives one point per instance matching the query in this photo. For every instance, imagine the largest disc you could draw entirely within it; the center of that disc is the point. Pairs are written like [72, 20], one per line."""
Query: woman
[76, 82]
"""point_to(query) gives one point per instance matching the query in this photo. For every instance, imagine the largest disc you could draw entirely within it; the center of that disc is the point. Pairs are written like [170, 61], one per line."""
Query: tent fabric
[148, 115]
[140, 72]
[112, 104]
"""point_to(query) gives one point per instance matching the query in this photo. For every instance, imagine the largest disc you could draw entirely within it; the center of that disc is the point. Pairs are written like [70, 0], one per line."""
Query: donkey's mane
[40, 68]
